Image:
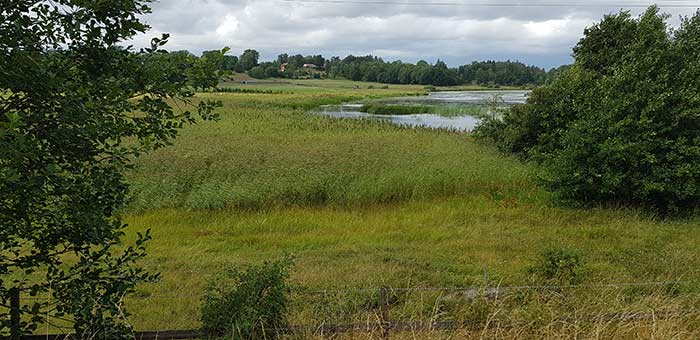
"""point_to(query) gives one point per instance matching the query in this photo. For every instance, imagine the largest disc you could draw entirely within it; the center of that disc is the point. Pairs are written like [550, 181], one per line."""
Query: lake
[509, 97]
[460, 123]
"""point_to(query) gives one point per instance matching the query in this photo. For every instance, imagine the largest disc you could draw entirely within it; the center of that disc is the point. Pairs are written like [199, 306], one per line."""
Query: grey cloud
[457, 34]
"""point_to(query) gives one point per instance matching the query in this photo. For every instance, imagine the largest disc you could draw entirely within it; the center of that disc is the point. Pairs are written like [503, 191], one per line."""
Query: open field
[368, 204]
[328, 86]
[267, 151]
[438, 243]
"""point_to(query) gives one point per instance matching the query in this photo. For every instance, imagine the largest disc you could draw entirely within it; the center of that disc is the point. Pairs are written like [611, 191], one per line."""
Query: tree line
[502, 73]
[374, 69]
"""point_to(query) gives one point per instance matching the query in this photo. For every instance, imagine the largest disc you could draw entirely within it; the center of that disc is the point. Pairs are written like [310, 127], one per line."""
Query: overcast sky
[401, 29]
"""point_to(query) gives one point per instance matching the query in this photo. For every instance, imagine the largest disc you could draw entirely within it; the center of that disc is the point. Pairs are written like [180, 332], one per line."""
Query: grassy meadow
[365, 204]
[268, 151]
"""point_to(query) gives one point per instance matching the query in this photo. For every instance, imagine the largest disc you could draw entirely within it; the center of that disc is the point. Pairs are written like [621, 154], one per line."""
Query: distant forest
[375, 69]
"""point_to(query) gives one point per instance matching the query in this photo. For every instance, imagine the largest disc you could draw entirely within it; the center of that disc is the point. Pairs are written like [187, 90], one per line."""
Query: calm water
[479, 97]
[463, 123]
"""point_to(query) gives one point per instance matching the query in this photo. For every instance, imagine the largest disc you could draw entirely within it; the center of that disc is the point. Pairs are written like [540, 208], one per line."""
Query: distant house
[309, 66]
[283, 67]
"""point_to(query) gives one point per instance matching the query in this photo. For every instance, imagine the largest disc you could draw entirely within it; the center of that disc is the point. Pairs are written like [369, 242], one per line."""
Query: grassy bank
[369, 204]
[445, 110]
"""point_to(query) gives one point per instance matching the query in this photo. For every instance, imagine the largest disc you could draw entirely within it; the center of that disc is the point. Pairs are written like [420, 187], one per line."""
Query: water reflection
[479, 97]
[461, 123]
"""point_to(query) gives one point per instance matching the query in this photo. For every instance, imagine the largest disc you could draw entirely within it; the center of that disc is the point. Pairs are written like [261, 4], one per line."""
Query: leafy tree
[501, 73]
[282, 58]
[318, 60]
[230, 63]
[604, 43]
[296, 61]
[75, 111]
[272, 71]
[535, 130]
[556, 72]
[622, 125]
[369, 68]
[215, 57]
[248, 59]
[257, 72]
[203, 71]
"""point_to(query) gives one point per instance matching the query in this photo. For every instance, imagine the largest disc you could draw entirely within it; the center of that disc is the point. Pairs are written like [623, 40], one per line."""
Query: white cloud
[457, 34]
[228, 27]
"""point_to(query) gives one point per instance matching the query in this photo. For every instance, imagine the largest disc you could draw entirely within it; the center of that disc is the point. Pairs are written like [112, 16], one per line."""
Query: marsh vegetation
[573, 215]
[366, 204]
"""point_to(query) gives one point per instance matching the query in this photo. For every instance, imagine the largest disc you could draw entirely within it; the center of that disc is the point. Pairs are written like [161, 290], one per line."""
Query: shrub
[248, 304]
[560, 266]
[622, 125]
[535, 129]
[257, 72]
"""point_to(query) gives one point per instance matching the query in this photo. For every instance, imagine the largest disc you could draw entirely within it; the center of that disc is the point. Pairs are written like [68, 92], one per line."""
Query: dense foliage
[501, 73]
[243, 63]
[622, 124]
[369, 68]
[374, 69]
[248, 304]
[75, 111]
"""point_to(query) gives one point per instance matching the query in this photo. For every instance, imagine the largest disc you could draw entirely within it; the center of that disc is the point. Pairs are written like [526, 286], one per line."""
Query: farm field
[366, 204]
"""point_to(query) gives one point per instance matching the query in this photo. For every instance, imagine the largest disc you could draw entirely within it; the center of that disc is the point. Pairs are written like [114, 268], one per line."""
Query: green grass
[389, 109]
[434, 243]
[267, 151]
[248, 90]
[446, 110]
[326, 86]
[369, 204]
[456, 110]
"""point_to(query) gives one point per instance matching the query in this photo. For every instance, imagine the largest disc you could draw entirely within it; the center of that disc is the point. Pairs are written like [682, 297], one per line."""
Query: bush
[622, 125]
[248, 304]
[535, 129]
[560, 266]
[257, 72]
